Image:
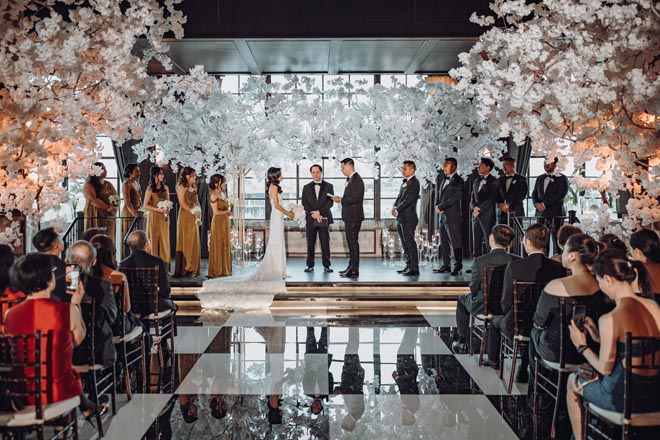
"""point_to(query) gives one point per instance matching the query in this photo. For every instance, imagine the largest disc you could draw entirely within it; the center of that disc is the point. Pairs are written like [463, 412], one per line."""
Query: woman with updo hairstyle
[132, 193]
[579, 254]
[158, 224]
[613, 242]
[188, 250]
[640, 316]
[48, 242]
[220, 244]
[645, 245]
[563, 234]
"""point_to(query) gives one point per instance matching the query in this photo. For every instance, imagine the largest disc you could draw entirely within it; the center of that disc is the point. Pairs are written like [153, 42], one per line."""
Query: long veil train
[254, 291]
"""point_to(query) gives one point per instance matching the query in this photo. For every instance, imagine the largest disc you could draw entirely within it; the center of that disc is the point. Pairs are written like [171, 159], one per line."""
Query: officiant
[317, 206]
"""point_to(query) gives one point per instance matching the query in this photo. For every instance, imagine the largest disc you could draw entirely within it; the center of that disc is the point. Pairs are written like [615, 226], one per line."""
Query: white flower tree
[582, 72]
[68, 74]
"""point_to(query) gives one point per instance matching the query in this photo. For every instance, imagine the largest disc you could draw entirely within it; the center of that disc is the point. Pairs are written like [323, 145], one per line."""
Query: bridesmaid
[187, 261]
[158, 223]
[220, 246]
[99, 211]
[132, 200]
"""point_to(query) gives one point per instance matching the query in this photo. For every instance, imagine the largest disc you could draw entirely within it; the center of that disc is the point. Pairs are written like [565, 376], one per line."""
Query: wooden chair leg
[74, 415]
[113, 392]
[502, 348]
[535, 405]
[514, 361]
[471, 336]
[484, 338]
[143, 363]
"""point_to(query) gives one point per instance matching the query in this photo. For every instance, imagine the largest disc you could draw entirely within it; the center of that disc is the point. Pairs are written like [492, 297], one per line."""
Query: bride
[255, 291]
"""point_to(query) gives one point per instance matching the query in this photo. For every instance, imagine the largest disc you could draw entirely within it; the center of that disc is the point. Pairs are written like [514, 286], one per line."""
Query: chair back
[493, 282]
[118, 328]
[526, 295]
[594, 309]
[24, 376]
[643, 353]
[143, 287]
[83, 354]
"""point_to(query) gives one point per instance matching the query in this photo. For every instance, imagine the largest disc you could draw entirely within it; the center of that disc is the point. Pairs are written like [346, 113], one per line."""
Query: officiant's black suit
[406, 219]
[448, 200]
[352, 212]
[483, 197]
[553, 199]
[514, 196]
[323, 204]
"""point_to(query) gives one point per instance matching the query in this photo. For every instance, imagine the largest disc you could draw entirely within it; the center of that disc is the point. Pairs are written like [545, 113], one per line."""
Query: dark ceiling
[324, 36]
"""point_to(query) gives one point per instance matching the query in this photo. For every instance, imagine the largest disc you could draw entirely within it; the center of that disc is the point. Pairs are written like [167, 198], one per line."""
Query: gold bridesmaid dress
[98, 218]
[220, 246]
[127, 220]
[158, 229]
[188, 252]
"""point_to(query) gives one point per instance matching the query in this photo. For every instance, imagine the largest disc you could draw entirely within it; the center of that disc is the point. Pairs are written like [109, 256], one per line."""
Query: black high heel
[99, 411]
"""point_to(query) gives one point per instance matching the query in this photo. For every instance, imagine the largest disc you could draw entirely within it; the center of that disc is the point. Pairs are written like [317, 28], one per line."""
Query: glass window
[230, 83]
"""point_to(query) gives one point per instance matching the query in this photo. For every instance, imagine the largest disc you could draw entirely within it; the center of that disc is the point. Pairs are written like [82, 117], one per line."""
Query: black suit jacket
[552, 197]
[106, 315]
[406, 202]
[141, 259]
[323, 204]
[352, 202]
[496, 257]
[515, 196]
[448, 199]
[485, 199]
[536, 267]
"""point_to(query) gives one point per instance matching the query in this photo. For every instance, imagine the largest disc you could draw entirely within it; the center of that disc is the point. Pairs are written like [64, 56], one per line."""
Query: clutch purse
[322, 224]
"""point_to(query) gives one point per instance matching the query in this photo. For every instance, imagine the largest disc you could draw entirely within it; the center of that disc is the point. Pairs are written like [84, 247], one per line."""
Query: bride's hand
[290, 214]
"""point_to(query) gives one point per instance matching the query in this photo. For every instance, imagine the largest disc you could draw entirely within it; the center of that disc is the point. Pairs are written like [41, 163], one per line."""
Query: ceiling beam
[419, 57]
[334, 55]
[248, 57]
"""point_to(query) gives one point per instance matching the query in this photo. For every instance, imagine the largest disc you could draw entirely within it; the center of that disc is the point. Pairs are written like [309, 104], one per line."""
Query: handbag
[322, 224]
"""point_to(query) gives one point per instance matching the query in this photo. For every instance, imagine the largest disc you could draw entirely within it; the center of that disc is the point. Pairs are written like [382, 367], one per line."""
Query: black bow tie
[483, 178]
[509, 177]
[405, 180]
[317, 184]
[348, 178]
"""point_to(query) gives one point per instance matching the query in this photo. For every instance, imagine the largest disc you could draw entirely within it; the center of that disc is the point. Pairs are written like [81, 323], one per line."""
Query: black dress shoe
[309, 269]
[492, 364]
[350, 274]
[405, 269]
[341, 272]
[458, 270]
[442, 269]
[459, 347]
[410, 273]
[328, 270]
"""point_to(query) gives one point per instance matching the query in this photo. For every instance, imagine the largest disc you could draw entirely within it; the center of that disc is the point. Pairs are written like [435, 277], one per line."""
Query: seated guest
[33, 274]
[7, 294]
[536, 267]
[141, 258]
[640, 316]
[545, 340]
[645, 245]
[48, 242]
[563, 235]
[83, 254]
[88, 234]
[472, 303]
[611, 241]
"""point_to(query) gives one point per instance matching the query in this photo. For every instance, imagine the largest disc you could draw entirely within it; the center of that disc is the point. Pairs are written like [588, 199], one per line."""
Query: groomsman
[482, 203]
[352, 212]
[317, 206]
[449, 193]
[548, 197]
[512, 192]
[405, 211]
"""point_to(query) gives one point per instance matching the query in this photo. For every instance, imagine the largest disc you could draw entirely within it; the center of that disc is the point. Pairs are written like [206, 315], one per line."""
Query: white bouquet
[114, 200]
[197, 212]
[165, 204]
[298, 213]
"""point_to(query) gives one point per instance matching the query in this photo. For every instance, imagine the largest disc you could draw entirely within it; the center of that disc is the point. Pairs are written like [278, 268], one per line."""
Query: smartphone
[579, 312]
[72, 277]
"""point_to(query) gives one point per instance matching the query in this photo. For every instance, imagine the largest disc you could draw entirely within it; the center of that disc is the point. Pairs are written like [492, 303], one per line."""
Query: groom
[317, 206]
[352, 212]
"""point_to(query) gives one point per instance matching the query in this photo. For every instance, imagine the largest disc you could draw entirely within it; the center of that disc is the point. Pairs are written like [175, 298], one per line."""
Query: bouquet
[114, 200]
[197, 212]
[165, 204]
[298, 213]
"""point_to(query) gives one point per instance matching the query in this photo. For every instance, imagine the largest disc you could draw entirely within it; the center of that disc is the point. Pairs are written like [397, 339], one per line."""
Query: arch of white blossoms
[577, 83]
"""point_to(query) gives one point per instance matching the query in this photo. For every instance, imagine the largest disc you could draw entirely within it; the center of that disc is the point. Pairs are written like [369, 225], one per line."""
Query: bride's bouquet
[165, 204]
[197, 212]
[298, 213]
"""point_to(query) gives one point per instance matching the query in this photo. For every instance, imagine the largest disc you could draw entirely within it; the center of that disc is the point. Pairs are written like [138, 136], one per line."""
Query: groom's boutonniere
[513, 182]
[405, 185]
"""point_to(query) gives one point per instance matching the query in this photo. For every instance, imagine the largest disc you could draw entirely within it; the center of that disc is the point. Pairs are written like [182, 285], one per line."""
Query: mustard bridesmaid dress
[158, 229]
[220, 246]
[98, 218]
[135, 194]
[188, 251]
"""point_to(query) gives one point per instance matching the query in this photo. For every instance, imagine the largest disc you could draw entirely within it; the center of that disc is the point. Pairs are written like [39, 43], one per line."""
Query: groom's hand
[336, 199]
[394, 212]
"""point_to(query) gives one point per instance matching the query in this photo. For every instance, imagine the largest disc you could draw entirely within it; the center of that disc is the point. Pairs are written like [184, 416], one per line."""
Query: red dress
[45, 315]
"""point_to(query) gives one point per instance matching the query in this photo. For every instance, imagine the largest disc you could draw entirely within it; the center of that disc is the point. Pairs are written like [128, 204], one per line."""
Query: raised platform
[378, 285]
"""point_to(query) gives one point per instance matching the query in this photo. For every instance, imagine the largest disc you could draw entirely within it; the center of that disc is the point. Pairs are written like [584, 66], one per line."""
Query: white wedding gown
[254, 291]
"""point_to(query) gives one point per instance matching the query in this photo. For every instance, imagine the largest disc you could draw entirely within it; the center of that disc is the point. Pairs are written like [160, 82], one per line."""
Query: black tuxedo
[141, 259]
[352, 212]
[448, 200]
[473, 303]
[553, 198]
[515, 196]
[483, 197]
[323, 204]
[536, 267]
[406, 218]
